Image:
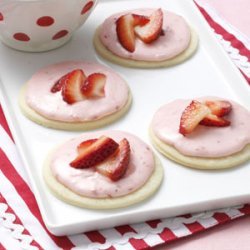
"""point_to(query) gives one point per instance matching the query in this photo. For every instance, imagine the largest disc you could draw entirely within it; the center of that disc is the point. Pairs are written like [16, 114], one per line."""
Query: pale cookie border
[200, 162]
[70, 126]
[68, 196]
[183, 56]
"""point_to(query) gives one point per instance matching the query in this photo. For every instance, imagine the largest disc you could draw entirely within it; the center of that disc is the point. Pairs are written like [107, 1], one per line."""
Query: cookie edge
[70, 126]
[225, 162]
[66, 195]
[183, 56]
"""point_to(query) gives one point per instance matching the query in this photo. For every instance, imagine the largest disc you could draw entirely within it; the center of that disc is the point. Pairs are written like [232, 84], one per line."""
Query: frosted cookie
[103, 170]
[75, 96]
[208, 133]
[145, 38]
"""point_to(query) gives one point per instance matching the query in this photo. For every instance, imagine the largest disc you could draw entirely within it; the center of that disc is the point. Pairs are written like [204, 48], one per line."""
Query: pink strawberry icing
[175, 39]
[51, 105]
[203, 141]
[88, 182]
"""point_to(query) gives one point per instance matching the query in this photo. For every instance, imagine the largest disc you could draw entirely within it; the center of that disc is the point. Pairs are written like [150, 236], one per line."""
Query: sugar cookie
[90, 188]
[175, 43]
[214, 142]
[46, 99]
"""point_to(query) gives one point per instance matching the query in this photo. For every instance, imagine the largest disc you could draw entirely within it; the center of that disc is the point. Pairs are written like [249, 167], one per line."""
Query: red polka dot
[60, 34]
[1, 17]
[87, 7]
[45, 21]
[21, 37]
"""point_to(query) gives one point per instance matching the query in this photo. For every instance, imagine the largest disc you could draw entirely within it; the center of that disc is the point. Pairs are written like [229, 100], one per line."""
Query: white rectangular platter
[208, 72]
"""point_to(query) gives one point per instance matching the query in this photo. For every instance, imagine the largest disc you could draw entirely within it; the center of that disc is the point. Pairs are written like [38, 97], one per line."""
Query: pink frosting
[51, 105]
[176, 38]
[203, 141]
[88, 182]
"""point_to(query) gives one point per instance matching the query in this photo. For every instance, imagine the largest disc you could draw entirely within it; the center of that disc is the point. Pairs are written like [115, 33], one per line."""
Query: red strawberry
[219, 108]
[191, 117]
[125, 29]
[140, 20]
[93, 154]
[84, 145]
[116, 165]
[153, 29]
[214, 121]
[94, 85]
[71, 90]
[125, 32]
[59, 84]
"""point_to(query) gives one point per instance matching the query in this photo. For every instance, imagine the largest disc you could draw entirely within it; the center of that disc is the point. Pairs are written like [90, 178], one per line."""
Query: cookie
[206, 133]
[89, 187]
[94, 96]
[175, 42]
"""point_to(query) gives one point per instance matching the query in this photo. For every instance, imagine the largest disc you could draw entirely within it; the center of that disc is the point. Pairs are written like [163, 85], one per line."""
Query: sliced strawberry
[84, 145]
[140, 20]
[116, 165]
[219, 108]
[125, 29]
[59, 84]
[153, 29]
[71, 90]
[125, 32]
[94, 85]
[214, 121]
[95, 153]
[192, 115]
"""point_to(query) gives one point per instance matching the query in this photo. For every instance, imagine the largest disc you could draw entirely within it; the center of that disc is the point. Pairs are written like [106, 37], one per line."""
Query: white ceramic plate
[209, 72]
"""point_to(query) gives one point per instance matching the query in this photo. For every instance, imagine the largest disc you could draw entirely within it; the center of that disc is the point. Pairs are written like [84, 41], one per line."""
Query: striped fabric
[232, 40]
[21, 224]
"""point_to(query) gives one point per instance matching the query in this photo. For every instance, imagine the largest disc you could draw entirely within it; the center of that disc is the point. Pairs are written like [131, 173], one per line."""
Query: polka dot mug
[41, 25]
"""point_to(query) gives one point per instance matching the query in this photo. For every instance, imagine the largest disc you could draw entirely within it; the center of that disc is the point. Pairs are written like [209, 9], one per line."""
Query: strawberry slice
[59, 84]
[125, 32]
[125, 29]
[212, 120]
[153, 29]
[116, 165]
[71, 90]
[91, 153]
[84, 145]
[94, 85]
[219, 108]
[140, 20]
[192, 115]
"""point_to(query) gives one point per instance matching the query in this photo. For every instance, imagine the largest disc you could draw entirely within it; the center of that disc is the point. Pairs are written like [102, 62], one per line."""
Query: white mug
[41, 25]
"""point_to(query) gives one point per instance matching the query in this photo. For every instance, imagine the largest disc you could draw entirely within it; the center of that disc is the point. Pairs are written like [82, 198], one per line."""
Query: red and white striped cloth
[21, 224]
[231, 39]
